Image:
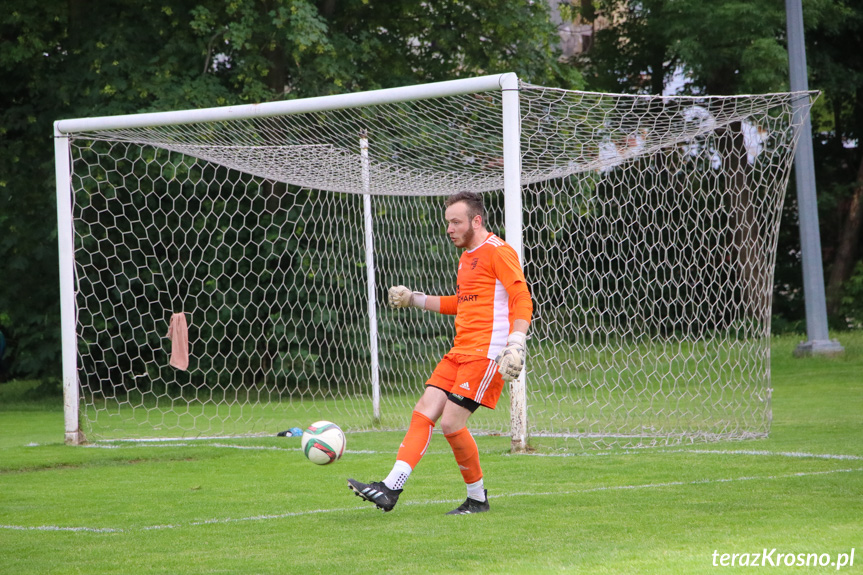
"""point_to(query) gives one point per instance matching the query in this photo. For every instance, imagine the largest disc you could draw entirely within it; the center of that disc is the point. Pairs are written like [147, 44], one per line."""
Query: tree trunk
[77, 23]
[658, 58]
[657, 73]
[846, 251]
[277, 78]
[327, 8]
[749, 256]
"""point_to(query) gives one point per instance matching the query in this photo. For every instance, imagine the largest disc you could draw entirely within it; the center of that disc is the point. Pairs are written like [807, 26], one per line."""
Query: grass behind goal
[255, 505]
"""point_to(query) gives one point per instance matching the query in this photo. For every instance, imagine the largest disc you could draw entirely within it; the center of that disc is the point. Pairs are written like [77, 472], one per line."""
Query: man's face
[459, 228]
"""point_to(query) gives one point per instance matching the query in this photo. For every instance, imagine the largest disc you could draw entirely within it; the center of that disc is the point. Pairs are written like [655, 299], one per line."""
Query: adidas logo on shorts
[465, 385]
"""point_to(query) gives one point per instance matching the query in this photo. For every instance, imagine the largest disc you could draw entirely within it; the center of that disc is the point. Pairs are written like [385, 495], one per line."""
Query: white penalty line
[792, 454]
[686, 483]
[750, 452]
[225, 446]
[646, 451]
[227, 520]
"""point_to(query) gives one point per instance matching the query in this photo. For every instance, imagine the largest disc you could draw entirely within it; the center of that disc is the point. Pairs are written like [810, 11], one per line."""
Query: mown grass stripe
[277, 516]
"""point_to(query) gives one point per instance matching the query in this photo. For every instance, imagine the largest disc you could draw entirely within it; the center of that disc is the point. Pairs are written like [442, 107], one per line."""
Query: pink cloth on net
[178, 333]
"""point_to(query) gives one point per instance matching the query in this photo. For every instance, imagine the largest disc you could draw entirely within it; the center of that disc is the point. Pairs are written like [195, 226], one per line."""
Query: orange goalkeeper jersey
[491, 293]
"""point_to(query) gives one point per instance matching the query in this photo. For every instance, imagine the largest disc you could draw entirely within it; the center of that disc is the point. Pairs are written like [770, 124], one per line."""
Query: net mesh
[650, 229]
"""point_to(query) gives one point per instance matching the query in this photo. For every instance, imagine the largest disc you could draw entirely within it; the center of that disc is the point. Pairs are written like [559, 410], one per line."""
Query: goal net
[648, 230]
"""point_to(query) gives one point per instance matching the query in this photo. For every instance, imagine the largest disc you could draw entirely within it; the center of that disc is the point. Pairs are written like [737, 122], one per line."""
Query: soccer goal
[647, 227]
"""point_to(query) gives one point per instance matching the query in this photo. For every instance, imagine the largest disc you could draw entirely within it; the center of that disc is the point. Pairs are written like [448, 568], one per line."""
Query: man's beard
[467, 239]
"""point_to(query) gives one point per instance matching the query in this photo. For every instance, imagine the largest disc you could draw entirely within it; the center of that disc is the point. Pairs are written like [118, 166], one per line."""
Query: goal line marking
[791, 454]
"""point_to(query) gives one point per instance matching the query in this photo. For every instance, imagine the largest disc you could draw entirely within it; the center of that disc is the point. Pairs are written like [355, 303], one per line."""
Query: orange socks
[466, 454]
[416, 440]
[414, 446]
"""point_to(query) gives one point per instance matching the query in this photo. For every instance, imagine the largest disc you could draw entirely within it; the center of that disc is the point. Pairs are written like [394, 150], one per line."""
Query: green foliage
[836, 68]
[764, 65]
[631, 50]
[852, 300]
[78, 59]
[262, 275]
[732, 46]
[724, 47]
[738, 47]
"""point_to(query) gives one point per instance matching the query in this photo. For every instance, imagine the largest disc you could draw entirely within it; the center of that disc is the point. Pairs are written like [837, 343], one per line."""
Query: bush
[852, 299]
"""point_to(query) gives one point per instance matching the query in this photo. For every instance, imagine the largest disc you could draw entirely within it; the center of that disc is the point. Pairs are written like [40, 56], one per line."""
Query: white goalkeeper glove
[510, 360]
[400, 296]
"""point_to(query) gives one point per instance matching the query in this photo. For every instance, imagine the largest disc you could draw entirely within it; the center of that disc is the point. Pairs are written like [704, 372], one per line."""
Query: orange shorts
[469, 376]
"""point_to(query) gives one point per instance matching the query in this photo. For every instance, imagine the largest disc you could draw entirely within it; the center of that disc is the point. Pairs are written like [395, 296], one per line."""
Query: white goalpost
[647, 227]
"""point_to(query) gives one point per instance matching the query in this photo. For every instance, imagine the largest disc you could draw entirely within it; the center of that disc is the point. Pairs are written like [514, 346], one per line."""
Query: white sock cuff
[399, 475]
[402, 466]
[476, 491]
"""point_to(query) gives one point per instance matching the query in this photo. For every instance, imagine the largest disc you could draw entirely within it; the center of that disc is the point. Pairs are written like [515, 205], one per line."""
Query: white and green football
[323, 442]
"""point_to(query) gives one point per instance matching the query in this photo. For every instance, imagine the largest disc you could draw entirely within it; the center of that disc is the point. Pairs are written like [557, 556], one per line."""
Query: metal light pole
[819, 341]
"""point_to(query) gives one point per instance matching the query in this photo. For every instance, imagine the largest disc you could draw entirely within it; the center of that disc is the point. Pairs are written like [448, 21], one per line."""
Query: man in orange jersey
[492, 308]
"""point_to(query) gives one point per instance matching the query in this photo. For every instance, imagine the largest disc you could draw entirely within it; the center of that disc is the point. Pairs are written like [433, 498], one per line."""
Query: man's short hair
[473, 202]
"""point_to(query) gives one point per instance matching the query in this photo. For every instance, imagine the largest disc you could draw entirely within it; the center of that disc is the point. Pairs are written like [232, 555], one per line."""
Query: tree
[736, 47]
[723, 47]
[632, 51]
[834, 46]
[60, 60]
[77, 59]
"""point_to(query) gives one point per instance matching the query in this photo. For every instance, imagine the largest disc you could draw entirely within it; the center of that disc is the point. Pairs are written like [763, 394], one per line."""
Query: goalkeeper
[492, 308]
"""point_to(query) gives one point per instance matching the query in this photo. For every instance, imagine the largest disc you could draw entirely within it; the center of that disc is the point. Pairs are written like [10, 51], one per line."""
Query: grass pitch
[257, 506]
